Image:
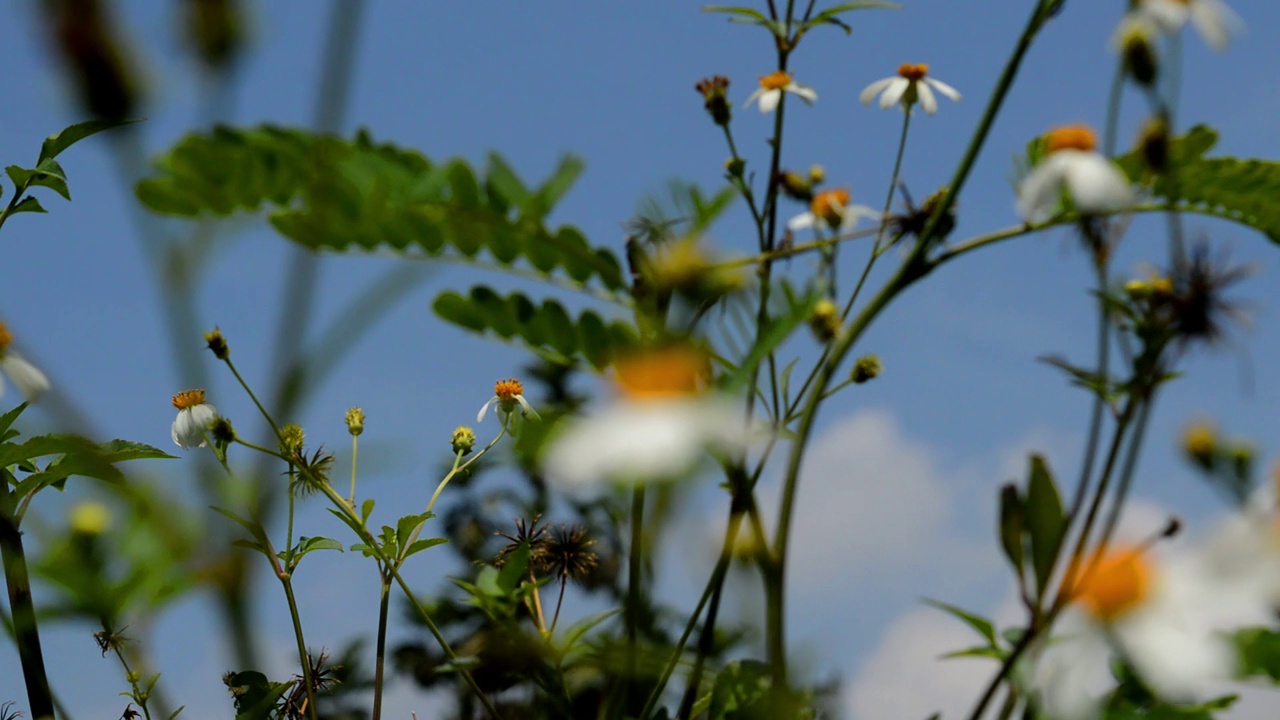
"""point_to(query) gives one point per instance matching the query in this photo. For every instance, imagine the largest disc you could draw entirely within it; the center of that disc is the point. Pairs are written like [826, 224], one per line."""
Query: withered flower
[1201, 311]
[530, 534]
[568, 553]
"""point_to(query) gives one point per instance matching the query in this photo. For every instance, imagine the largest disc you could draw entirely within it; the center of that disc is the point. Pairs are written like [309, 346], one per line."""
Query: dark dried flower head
[294, 705]
[715, 97]
[129, 713]
[913, 220]
[8, 713]
[217, 344]
[568, 553]
[312, 472]
[530, 534]
[1201, 310]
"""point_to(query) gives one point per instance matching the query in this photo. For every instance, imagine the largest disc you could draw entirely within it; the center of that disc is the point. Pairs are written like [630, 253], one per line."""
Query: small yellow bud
[291, 439]
[795, 186]
[355, 421]
[735, 167]
[817, 174]
[463, 440]
[1153, 143]
[825, 320]
[866, 368]
[217, 344]
[90, 519]
[1200, 444]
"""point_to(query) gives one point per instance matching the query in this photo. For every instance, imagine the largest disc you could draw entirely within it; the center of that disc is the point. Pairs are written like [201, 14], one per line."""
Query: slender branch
[381, 650]
[26, 633]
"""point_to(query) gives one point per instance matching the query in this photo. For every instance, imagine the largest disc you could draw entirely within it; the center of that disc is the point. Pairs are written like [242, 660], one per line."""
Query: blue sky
[962, 397]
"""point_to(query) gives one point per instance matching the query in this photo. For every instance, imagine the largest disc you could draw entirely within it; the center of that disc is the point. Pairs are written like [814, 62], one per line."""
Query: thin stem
[26, 633]
[249, 391]
[287, 581]
[884, 214]
[129, 676]
[380, 660]
[555, 618]
[355, 454]
[634, 591]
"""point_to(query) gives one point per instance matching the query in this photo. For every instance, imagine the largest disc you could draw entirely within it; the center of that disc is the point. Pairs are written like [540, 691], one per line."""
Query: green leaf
[513, 569]
[308, 544]
[582, 627]
[983, 626]
[366, 508]
[1046, 522]
[977, 651]
[1242, 190]
[1259, 653]
[741, 11]
[545, 328]
[419, 545]
[6, 420]
[405, 527]
[830, 16]
[1013, 526]
[325, 192]
[65, 138]
[27, 204]
[741, 691]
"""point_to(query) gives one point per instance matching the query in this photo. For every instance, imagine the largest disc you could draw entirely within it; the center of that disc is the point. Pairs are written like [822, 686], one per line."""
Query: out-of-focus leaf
[1013, 526]
[1046, 522]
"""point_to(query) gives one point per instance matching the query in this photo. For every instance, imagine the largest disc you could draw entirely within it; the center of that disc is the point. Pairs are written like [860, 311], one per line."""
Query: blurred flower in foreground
[507, 395]
[194, 418]
[1094, 183]
[1158, 617]
[831, 209]
[656, 429]
[30, 381]
[769, 94]
[912, 83]
[1211, 18]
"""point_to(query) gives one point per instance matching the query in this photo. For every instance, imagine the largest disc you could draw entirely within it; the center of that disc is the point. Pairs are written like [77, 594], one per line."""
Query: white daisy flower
[1213, 19]
[1160, 618]
[30, 381]
[659, 427]
[769, 94]
[195, 416]
[831, 209]
[911, 84]
[1093, 182]
[507, 396]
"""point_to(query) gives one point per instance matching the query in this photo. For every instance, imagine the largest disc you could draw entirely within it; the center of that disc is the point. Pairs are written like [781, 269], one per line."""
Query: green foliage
[1259, 652]
[829, 16]
[546, 328]
[325, 192]
[1243, 190]
[1013, 526]
[741, 691]
[1046, 521]
[47, 172]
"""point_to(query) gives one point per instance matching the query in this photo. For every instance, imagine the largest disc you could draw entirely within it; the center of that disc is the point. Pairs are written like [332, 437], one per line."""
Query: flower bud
[715, 97]
[222, 432]
[217, 344]
[1139, 56]
[825, 320]
[291, 439]
[463, 440]
[1153, 143]
[1200, 444]
[866, 368]
[735, 167]
[355, 421]
[90, 519]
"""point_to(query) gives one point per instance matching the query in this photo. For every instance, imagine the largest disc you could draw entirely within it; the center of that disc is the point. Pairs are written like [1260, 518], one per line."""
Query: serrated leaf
[1046, 522]
[584, 626]
[56, 143]
[405, 527]
[309, 544]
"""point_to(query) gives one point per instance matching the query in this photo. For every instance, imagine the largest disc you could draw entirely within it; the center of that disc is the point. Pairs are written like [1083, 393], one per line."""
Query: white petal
[191, 424]
[27, 377]
[485, 408]
[893, 93]
[927, 100]
[850, 216]
[1168, 15]
[1038, 193]
[804, 92]
[769, 100]
[752, 97]
[527, 408]
[947, 91]
[1095, 183]
[1215, 21]
[869, 93]
[640, 441]
[1176, 656]
[800, 222]
[1073, 675]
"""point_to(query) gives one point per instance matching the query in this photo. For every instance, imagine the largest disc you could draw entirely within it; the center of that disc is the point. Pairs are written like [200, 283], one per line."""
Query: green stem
[26, 633]
[381, 651]
[888, 205]
[635, 578]
[355, 454]
[287, 581]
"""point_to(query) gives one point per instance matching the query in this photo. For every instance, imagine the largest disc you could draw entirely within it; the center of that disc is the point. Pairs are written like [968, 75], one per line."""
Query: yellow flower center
[508, 389]
[829, 205]
[188, 399]
[663, 374]
[775, 81]
[1070, 137]
[6, 337]
[914, 73]
[1117, 583]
